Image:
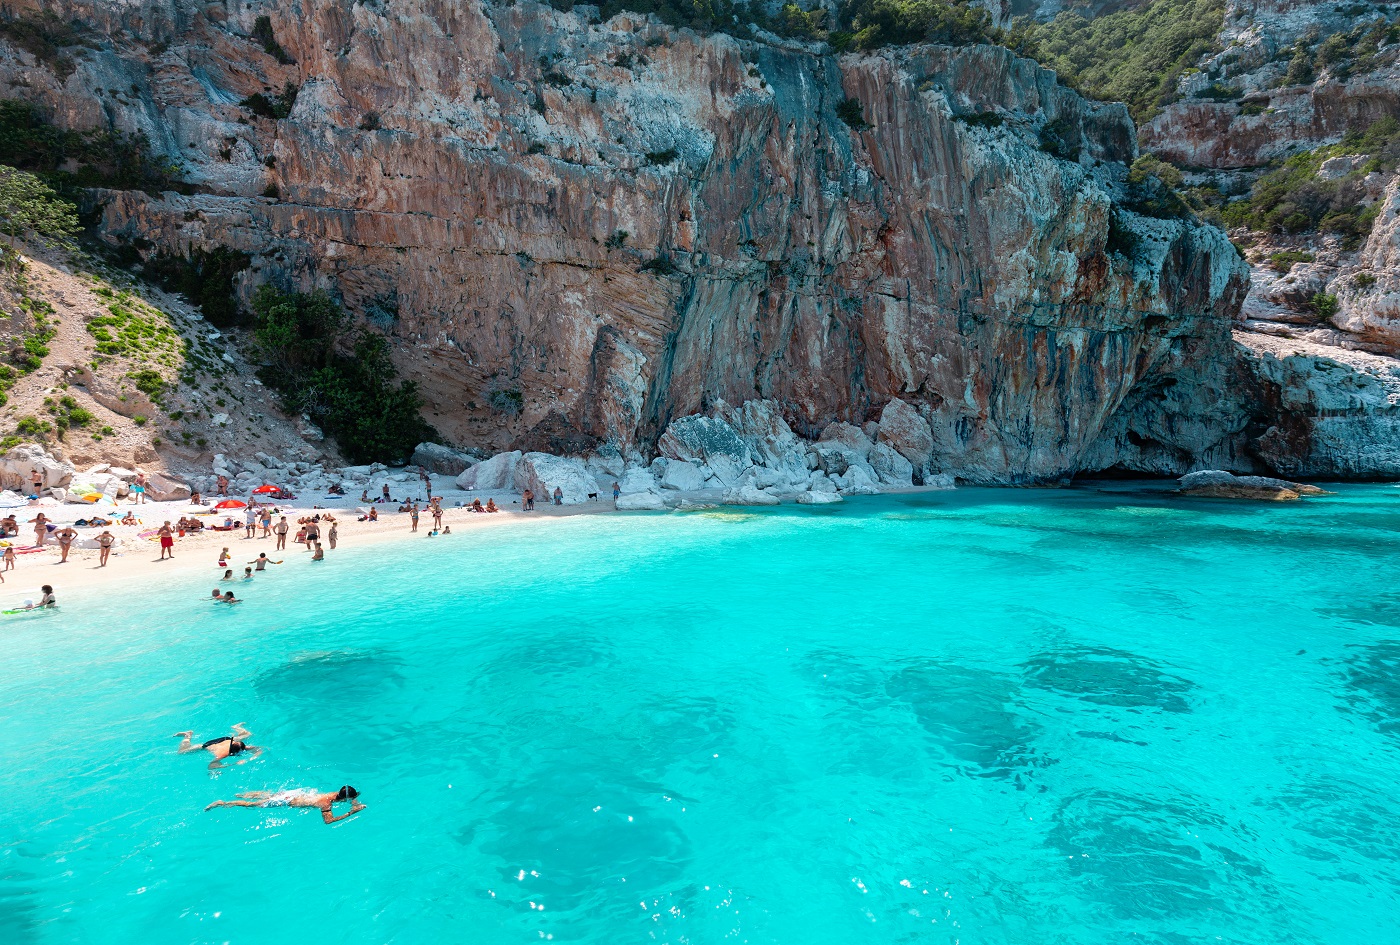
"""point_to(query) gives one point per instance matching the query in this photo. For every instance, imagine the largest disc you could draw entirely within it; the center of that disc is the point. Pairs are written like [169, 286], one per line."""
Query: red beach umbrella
[231, 504]
[266, 489]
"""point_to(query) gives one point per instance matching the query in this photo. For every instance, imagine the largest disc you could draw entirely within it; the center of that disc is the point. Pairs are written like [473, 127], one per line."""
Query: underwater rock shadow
[1105, 676]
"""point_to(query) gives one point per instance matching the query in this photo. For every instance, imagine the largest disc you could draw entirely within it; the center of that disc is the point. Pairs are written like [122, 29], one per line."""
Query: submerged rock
[818, 498]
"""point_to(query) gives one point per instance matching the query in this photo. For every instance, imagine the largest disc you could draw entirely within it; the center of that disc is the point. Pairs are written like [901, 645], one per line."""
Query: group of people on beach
[230, 746]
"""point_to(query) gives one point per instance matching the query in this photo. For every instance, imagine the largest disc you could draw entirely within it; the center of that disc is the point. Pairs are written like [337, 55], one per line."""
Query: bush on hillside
[1291, 198]
[74, 159]
[345, 381]
[875, 23]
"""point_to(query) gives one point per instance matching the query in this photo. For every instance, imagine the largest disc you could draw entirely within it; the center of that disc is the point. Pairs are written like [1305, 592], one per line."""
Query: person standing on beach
[105, 541]
[558, 496]
[527, 501]
[36, 479]
[330, 535]
[223, 485]
[281, 530]
[41, 528]
[138, 488]
[413, 515]
[250, 521]
[617, 491]
[9, 557]
[65, 536]
[386, 494]
[167, 542]
[313, 533]
[437, 514]
[267, 522]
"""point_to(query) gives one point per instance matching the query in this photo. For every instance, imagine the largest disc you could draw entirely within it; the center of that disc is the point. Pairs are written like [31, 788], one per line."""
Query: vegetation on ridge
[1291, 198]
[1135, 56]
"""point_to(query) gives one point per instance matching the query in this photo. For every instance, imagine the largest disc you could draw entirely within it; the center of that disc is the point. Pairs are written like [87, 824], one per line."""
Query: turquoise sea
[1052, 717]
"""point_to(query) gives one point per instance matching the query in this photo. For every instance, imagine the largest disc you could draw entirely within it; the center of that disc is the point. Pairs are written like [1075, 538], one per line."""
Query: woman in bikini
[299, 797]
[223, 747]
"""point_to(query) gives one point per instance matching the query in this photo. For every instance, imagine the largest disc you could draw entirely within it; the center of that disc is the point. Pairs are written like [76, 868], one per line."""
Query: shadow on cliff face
[1105, 676]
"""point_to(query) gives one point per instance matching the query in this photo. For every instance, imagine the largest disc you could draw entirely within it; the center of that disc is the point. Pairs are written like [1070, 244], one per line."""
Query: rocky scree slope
[576, 232]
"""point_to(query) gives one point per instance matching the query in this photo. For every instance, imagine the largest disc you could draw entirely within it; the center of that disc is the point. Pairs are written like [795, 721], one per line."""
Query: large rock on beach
[642, 502]
[749, 495]
[542, 473]
[1218, 484]
[498, 472]
[818, 498]
[18, 465]
[160, 488]
[904, 430]
[443, 460]
[682, 477]
[698, 439]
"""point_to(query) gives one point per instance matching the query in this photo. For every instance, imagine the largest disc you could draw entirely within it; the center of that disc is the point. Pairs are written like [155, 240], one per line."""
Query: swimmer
[230, 599]
[224, 747]
[247, 574]
[447, 529]
[216, 595]
[228, 575]
[299, 797]
[262, 561]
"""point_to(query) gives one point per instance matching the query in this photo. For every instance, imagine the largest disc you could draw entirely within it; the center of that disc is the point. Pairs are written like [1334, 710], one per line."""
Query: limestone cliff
[574, 231]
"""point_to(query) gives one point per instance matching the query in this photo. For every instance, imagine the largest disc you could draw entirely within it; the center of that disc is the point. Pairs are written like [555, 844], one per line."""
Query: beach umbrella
[266, 490]
[231, 504]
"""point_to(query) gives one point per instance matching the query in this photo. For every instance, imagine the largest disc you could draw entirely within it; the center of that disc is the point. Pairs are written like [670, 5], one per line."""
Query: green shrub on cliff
[1291, 198]
[1134, 56]
[875, 23]
[73, 159]
[345, 381]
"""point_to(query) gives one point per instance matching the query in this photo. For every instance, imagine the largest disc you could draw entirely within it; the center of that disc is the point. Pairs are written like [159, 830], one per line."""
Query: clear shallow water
[976, 717]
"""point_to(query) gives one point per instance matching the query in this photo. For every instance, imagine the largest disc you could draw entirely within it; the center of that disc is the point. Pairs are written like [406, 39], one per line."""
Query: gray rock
[442, 460]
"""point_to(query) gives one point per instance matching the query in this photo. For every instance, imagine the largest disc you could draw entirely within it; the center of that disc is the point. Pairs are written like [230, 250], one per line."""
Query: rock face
[543, 473]
[593, 229]
[498, 472]
[18, 465]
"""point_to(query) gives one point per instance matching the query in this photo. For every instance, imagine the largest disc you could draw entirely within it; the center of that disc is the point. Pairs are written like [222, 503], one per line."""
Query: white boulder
[542, 473]
[698, 439]
[749, 495]
[902, 429]
[636, 479]
[642, 502]
[498, 472]
[18, 465]
[164, 489]
[818, 498]
[891, 468]
[683, 477]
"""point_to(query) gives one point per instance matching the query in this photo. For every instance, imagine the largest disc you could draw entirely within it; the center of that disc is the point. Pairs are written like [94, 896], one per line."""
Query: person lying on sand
[299, 797]
[225, 746]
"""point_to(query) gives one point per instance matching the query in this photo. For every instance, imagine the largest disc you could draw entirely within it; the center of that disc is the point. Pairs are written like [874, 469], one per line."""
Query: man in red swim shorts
[167, 542]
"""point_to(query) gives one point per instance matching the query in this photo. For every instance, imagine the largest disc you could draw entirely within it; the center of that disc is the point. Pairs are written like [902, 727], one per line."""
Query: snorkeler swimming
[299, 797]
[225, 746]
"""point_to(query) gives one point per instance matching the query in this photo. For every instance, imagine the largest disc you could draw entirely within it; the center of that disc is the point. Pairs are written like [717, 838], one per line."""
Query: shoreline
[137, 559]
